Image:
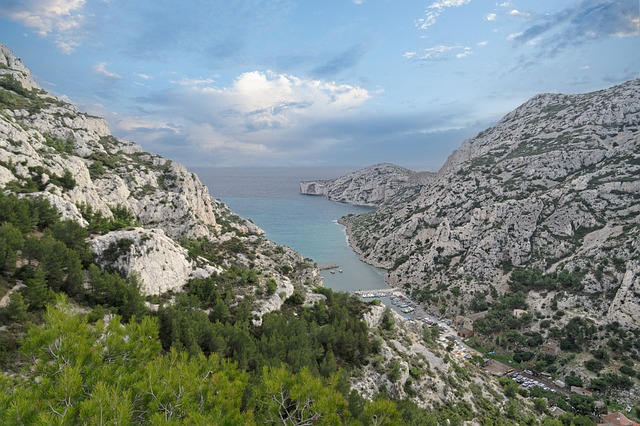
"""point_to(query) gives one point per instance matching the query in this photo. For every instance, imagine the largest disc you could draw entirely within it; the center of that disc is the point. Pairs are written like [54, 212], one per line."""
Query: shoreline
[347, 226]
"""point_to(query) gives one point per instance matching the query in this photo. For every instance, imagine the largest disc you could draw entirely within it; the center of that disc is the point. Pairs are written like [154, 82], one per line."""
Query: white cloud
[439, 53]
[533, 41]
[358, 1]
[434, 10]
[519, 14]
[491, 17]
[465, 52]
[514, 36]
[504, 4]
[258, 117]
[194, 82]
[58, 18]
[448, 3]
[142, 76]
[256, 91]
[482, 43]
[101, 69]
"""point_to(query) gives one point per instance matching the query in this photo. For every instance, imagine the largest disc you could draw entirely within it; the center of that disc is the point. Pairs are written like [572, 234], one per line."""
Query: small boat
[340, 270]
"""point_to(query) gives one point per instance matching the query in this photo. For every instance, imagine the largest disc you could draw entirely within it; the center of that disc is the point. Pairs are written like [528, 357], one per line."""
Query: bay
[271, 198]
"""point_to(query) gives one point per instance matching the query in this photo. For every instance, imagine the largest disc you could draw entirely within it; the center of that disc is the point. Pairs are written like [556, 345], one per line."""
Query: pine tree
[17, 308]
[37, 294]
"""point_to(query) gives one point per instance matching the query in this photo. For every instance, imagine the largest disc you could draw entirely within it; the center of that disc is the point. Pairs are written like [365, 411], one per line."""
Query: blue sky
[316, 83]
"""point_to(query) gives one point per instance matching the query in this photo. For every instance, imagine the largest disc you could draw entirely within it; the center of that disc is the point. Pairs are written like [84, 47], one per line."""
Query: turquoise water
[271, 198]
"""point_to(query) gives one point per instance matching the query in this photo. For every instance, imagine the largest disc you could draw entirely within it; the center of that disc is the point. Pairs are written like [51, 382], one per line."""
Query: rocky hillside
[371, 186]
[555, 185]
[51, 149]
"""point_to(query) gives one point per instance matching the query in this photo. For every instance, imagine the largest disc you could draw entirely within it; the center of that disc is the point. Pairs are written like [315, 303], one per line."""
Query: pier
[327, 267]
[385, 292]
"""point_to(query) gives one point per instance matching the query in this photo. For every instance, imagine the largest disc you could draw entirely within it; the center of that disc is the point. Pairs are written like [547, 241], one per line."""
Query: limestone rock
[159, 262]
[50, 137]
[13, 66]
[371, 186]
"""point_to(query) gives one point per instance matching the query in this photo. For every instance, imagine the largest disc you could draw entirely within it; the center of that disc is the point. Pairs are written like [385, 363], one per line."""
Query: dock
[385, 291]
[328, 267]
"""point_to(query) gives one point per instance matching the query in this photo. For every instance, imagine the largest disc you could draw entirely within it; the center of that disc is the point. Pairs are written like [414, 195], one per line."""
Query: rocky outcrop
[42, 137]
[554, 185]
[11, 65]
[159, 262]
[371, 186]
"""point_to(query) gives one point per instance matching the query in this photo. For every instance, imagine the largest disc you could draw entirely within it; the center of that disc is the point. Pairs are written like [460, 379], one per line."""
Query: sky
[309, 83]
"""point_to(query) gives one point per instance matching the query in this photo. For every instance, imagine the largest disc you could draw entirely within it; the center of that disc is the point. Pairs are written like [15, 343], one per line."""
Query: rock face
[49, 148]
[42, 137]
[371, 186]
[554, 185]
[160, 263]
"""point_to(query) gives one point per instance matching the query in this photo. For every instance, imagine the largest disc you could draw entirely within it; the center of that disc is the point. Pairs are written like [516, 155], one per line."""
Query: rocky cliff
[51, 149]
[371, 186]
[554, 185]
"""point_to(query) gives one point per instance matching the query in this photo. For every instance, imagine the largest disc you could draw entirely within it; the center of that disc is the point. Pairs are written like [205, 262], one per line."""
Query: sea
[271, 198]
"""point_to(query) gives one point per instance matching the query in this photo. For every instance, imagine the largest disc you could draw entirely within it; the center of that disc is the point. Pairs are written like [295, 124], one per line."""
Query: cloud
[465, 52]
[438, 53]
[579, 24]
[101, 69]
[58, 18]
[482, 43]
[490, 17]
[259, 116]
[358, 1]
[434, 10]
[515, 12]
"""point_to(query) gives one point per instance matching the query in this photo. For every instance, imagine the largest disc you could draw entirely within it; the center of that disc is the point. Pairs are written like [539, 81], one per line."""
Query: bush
[594, 365]
[625, 369]
[271, 287]
[522, 356]
[573, 379]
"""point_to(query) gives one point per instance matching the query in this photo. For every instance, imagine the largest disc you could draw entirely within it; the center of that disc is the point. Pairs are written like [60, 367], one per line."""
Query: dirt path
[7, 297]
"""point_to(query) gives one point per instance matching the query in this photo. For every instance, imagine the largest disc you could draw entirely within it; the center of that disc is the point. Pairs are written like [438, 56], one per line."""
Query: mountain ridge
[371, 186]
[510, 174]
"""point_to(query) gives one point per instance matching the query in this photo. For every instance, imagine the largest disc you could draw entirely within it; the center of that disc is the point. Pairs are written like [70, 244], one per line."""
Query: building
[517, 313]
[466, 329]
[581, 391]
[464, 324]
[551, 347]
[617, 419]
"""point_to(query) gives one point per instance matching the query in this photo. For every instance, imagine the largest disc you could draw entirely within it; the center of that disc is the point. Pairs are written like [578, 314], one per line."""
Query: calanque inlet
[130, 295]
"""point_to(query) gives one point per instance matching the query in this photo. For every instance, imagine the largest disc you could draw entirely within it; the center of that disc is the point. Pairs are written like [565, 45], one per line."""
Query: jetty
[328, 267]
[374, 293]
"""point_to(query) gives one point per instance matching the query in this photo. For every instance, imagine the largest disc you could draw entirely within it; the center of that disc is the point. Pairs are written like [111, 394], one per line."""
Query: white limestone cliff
[160, 263]
[371, 186]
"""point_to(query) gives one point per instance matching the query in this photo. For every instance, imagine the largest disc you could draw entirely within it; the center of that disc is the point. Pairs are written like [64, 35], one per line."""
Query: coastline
[347, 226]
